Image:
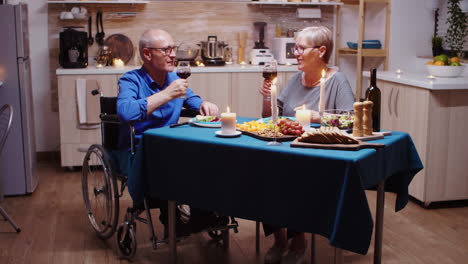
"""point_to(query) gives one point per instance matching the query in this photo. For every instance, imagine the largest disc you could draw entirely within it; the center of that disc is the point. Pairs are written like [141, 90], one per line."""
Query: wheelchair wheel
[126, 240]
[100, 192]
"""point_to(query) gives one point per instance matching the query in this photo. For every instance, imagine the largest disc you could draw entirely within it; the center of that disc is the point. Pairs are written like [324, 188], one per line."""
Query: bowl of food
[342, 119]
[445, 71]
[443, 66]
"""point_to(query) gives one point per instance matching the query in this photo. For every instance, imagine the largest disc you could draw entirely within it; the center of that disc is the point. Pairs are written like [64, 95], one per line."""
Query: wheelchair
[103, 183]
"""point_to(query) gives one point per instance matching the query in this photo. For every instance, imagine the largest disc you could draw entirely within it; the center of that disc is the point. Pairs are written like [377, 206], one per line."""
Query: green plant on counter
[458, 28]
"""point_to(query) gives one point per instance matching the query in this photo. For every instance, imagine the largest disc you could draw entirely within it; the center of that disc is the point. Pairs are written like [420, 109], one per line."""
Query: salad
[342, 121]
[200, 118]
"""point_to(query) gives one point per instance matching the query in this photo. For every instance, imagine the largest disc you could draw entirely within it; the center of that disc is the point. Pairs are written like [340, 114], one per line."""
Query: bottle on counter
[373, 94]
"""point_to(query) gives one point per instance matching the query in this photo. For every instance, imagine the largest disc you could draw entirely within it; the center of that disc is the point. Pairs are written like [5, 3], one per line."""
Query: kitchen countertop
[422, 80]
[228, 68]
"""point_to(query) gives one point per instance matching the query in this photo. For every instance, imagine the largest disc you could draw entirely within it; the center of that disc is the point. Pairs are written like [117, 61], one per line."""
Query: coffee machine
[212, 51]
[260, 53]
[73, 48]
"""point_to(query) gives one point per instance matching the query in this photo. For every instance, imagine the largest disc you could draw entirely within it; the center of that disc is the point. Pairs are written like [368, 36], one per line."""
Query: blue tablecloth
[311, 190]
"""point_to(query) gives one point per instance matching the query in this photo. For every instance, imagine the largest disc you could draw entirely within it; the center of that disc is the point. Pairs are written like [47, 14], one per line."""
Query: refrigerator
[18, 157]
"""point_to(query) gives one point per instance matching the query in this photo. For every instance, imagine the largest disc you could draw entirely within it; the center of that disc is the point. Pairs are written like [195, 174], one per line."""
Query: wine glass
[270, 70]
[183, 71]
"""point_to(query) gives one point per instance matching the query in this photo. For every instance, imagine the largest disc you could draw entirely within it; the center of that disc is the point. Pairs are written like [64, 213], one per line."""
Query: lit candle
[303, 118]
[274, 102]
[399, 72]
[228, 122]
[118, 63]
[321, 107]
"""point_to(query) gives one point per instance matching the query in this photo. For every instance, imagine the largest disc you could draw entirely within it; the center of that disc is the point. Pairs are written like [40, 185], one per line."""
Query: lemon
[430, 63]
[439, 63]
[442, 58]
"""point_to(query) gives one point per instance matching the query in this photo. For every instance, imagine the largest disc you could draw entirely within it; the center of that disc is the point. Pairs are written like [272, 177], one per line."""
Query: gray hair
[318, 36]
[148, 38]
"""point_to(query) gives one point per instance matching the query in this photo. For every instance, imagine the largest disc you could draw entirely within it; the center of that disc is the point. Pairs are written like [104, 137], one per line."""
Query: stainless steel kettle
[212, 49]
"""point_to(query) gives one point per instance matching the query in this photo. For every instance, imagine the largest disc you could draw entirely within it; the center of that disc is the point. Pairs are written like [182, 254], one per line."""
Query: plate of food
[268, 119]
[286, 130]
[342, 119]
[206, 121]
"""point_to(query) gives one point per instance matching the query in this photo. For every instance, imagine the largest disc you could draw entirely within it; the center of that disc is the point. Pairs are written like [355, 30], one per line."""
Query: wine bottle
[373, 94]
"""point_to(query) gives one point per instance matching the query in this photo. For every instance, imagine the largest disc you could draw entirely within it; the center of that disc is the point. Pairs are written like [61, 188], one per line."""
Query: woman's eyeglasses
[167, 50]
[300, 49]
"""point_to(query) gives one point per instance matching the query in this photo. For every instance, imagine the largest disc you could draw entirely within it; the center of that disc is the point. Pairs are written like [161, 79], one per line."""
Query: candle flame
[228, 110]
[274, 80]
[324, 73]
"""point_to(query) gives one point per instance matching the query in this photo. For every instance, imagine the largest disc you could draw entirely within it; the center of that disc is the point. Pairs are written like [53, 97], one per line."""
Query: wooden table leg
[257, 237]
[313, 251]
[379, 218]
[172, 232]
[339, 258]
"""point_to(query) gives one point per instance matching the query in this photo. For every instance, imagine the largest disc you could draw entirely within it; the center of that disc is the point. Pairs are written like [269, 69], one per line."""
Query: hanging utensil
[90, 34]
[100, 29]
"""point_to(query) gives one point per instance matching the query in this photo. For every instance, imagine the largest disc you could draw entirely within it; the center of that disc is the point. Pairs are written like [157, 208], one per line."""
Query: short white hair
[318, 36]
[148, 38]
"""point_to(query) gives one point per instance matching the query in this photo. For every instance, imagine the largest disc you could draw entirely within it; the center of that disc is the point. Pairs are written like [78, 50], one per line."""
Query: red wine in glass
[270, 75]
[184, 74]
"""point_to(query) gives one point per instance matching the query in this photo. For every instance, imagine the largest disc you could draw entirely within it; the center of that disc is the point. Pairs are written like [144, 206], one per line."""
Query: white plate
[267, 119]
[205, 124]
[219, 133]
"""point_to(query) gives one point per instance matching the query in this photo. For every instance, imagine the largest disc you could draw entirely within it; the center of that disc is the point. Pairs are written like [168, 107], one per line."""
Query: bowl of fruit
[343, 119]
[443, 66]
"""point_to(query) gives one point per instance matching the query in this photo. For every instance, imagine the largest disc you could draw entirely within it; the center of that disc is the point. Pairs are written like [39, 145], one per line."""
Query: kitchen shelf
[365, 52]
[361, 53]
[98, 2]
[330, 3]
[356, 2]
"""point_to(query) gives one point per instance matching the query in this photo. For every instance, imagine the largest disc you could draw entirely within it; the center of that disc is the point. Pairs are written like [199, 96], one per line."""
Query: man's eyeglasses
[167, 50]
[300, 49]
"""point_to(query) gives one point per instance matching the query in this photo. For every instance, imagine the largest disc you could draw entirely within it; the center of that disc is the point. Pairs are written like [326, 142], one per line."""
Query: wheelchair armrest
[189, 112]
[109, 118]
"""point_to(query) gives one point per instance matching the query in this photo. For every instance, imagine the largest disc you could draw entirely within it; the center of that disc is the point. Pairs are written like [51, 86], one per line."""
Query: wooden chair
[6, 117]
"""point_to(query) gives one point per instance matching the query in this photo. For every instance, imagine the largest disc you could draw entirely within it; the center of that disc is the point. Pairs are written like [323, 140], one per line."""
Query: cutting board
[279, 139]
[375, 135]
[360, 145]
[121, 47]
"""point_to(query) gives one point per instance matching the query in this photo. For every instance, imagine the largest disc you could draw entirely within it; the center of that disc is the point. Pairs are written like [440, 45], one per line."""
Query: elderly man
[154, 96]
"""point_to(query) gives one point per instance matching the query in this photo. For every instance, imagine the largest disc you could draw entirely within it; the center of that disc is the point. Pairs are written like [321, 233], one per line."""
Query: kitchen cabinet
[213, 87]
[74, 141]
[246, 98]
[435, 121]
[361, 53]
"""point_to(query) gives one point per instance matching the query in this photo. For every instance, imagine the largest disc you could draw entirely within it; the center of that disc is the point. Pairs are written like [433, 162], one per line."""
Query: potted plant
[437, 45]
[458, 28]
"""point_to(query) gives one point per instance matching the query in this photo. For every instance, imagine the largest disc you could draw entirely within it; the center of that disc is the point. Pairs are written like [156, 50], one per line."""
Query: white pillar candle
[228, 122]
[321, 107]
[118, 63]
[303, 118]
[274, 102]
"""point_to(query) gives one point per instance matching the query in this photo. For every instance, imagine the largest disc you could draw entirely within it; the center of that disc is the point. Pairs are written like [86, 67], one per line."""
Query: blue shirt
[134, 88]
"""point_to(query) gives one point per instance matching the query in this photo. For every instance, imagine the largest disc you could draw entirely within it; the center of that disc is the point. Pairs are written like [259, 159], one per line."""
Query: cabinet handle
[390, 101]
[395, 108]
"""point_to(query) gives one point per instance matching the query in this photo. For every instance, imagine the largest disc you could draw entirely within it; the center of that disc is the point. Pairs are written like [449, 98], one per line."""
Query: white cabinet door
[212, 87]
[71, 136]
[246, 100]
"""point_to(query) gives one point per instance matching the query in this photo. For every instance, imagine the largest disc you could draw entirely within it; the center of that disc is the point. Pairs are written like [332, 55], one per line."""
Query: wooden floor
[55, 230]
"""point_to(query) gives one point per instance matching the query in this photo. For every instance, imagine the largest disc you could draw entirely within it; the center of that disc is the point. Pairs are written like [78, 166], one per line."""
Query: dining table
[319, 191]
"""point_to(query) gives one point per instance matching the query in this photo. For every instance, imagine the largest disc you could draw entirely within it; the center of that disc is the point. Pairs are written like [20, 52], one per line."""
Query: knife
[179, 124]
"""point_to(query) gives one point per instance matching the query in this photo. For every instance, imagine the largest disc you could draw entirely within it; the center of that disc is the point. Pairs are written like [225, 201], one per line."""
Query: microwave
[283, 50]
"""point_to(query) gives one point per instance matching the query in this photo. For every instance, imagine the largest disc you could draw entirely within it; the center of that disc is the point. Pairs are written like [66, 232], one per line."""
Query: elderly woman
[313, 49]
